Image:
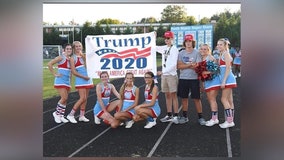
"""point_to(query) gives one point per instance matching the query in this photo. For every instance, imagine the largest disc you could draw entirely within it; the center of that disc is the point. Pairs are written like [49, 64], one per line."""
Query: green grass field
[48, 79]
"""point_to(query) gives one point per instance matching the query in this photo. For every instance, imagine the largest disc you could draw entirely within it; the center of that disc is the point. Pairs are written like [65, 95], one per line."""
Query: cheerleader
[150, 109]
[211, 86]
[61, 81]
[129, 94]
[83, 83]
[228, 81]
[103, 106]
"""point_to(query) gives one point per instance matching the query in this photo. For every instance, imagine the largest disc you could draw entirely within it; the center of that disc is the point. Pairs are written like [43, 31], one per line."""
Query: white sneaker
[71, 119]
[83, 119]
[211, 122]
[150, 124]
[56, 117]
[167, 119]
[175, 119]
[226, 124]
[97, 120]
[129, 124]
[63, 119]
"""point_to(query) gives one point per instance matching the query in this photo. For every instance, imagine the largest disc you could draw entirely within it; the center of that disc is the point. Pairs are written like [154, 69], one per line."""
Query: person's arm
[99, 97]
[73, 70]
[135, 101]
[181, 65]
[228, 68]
[51, 63]
[114, 91]
[153, 100]
[161, 49]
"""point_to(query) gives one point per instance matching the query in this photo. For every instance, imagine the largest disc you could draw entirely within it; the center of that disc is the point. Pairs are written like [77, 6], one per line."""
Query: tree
[190, 20]
[161, 31]
[108, 30]
[117, 31]
[174, 14]
[204, 20]
[151, 28]
[128, 30]
[228, 25]
[148, 20]
[108, 21]
[98, 29]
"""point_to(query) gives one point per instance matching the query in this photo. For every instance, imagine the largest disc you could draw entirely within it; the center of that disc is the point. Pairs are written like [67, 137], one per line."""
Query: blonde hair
[207, 47]
[226, 43]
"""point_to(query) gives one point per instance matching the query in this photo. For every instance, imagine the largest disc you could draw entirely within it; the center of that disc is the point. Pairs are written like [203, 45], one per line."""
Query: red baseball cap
[169, 34]
[188, 37]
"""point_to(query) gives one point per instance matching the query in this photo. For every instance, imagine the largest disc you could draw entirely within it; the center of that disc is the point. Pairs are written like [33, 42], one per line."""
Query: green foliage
[227, 25]
[151, 29]
[174, 14]
[204, 21]
[160, 31]
[190, 20]
[128, 30]
[108, 30]
[160, 41]
[108, 21]
[148, 20]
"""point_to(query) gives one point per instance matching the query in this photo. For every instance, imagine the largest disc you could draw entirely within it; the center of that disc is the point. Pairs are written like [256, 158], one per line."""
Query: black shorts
[189, 85]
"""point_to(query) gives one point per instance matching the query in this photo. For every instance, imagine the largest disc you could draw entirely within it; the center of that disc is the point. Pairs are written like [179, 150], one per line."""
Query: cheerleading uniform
[64, 80]
[129, 99]
[80, 68]
[213, 84]
[237, 59]
[156, 110]
[105, 94]
[231, 80]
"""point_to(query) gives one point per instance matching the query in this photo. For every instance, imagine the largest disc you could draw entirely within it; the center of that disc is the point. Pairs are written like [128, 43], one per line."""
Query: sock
[73, 111]
[169, 114]
[228, 113]
[175, 114]
[150, 119]
[82, 112]
[60, 109]
[214, 115]
[184, 114]
[199, 115]
[233, 112]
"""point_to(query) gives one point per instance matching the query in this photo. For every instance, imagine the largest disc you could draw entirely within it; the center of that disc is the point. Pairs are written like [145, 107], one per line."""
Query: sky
[127, 13]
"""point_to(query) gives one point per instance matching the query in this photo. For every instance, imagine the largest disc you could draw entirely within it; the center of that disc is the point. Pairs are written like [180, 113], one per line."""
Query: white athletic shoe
[211, 122]
[97, 120]
[83, 119]
[150, 124]
[63, 119]
[71, 119]
[56, 117]
[226, 124]
[129, 124]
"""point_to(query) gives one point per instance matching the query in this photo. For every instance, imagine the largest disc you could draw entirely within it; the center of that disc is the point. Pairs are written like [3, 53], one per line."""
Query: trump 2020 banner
[119, 54]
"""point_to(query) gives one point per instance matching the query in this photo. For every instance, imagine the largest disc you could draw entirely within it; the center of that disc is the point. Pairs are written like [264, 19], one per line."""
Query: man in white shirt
[169, 78]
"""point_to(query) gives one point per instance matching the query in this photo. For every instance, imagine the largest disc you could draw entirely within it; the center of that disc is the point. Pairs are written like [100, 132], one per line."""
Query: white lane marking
[161, 137]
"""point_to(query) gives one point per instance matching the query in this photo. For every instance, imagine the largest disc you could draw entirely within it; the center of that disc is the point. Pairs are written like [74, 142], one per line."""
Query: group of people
[188, 83]
[126, 110]
[126, 107]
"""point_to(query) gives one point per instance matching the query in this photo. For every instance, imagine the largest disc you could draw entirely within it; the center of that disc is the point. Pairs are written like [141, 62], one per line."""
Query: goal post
[51, 51]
